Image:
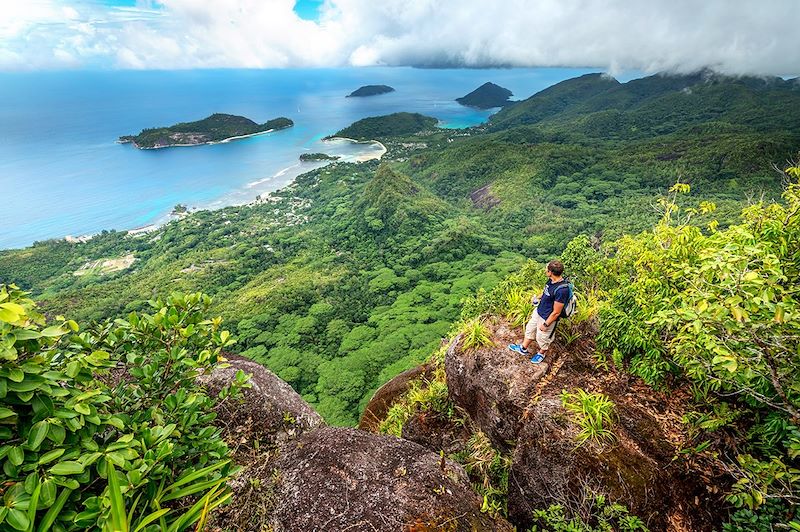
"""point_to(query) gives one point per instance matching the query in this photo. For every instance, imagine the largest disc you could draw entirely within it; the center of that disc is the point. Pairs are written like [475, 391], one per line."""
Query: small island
[216, 128]
[393, 125]
[318, 157]
[486, 96]
[370, 90]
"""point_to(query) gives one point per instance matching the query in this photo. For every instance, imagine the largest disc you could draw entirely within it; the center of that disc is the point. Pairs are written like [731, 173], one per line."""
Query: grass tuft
[421, 395]
[475, 334]
[518, 306]
[594, 414]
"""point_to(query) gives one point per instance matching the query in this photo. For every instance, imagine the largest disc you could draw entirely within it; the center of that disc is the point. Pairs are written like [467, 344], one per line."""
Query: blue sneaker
[538, 357]
[517, 348]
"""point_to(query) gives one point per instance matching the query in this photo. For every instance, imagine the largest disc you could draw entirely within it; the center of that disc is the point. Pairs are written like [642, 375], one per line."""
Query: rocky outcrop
[492, 384]
[436, 432]
[386, 395]
[267, 413]
[519, 406]
[347, 479]
[548, 468]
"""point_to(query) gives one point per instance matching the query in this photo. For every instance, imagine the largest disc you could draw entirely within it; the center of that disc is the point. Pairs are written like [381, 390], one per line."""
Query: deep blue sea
[62, 173]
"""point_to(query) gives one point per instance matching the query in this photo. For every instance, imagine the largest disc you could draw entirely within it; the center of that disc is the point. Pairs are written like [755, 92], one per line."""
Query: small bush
[475, 334]
[78, 449]
[594, 414]
[488, 468]
[604, 517]
[421, 395]
[519, 306]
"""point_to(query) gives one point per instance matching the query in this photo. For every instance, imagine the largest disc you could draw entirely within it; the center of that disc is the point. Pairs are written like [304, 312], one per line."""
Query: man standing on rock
[542, 326]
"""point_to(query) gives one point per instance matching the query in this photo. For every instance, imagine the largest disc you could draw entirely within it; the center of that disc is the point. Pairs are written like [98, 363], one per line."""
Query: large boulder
[385, 396]
[492, 384]
[637, 469]
[347, 479]
[267, 413]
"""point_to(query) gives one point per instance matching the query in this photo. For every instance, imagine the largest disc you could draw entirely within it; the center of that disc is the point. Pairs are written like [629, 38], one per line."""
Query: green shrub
[593, 413]
[720, 309]
[603, 517]
[519, 306]
[489, 470]
[762, 520]
[422, 395]
[475, 334]
[69, 434]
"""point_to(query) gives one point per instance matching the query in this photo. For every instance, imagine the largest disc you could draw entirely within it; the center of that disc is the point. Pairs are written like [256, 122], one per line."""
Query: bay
[63, 173]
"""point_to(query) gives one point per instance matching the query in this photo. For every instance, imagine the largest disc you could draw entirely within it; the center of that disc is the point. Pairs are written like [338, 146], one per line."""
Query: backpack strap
[560, 284]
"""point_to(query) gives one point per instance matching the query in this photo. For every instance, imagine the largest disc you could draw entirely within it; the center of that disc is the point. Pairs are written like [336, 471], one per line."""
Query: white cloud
[733, 36]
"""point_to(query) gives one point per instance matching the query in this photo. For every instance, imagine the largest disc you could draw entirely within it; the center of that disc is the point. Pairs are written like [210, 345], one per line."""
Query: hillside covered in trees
[356, 272]
[486, 96]
[214, 128]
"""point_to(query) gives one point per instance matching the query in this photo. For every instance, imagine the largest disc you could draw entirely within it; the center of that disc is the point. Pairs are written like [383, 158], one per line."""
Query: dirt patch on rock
[483, 198]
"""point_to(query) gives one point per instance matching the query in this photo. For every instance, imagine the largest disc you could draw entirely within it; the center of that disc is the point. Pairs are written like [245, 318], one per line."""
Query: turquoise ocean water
[62, 173]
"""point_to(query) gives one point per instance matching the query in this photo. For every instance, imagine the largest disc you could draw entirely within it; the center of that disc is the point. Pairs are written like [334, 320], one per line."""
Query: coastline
[229, 200]
[223, 141]
[362, 158]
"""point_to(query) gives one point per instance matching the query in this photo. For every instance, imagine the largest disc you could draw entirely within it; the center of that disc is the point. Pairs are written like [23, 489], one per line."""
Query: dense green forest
[671, 199]
[387, 126]
[214, 128]
[370, 90]
[486, 96]
[356, 271]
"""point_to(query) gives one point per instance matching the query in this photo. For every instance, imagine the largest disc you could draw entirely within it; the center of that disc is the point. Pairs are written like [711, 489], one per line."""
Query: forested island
[376, 127]
[671, 396]
[318, 157]
[370, 90]
[486, 96]
[218, 127]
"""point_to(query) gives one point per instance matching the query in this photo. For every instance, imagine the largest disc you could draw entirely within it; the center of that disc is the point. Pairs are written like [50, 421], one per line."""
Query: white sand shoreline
[223, 141]
[149, 228]
[366, 157]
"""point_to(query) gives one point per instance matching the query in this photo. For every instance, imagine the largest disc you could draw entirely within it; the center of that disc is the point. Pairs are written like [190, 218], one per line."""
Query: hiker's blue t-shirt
[549, 298]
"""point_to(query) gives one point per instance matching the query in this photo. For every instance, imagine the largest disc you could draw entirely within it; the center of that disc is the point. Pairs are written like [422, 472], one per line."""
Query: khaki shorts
[543, 338]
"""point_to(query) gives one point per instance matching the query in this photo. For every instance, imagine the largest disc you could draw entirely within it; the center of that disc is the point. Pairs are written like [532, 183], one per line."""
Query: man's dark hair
[556, 267]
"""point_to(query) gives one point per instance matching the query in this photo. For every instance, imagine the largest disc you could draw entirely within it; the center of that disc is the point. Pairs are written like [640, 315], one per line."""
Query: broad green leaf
[16, 455]
[726, 361]
[17, 519]
[37, 434]
[53, 331]
[10, 312]
[47, 496]
[67, 467]
[27, 334]
[50, 456]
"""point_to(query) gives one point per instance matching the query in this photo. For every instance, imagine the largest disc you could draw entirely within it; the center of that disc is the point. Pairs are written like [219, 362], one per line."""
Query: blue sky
[308, 9]
[730, 36]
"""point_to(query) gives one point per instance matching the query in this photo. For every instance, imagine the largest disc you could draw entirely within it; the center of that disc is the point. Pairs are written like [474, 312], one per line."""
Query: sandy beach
[365, 157]
[199, 143]
[254, 186]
